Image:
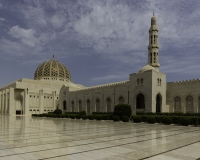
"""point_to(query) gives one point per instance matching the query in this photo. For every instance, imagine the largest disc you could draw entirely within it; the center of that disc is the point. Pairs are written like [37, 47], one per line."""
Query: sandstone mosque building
[146, 90]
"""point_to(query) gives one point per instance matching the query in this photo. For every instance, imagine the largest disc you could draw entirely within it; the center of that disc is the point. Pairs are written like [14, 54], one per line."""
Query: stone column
[12, 110]
[3, 105]
[6, 101]
[41, 101]
[26, 102]
[54, 101]
[195, 106]
[84, 106]
[0, 102]
[173, 109]
[183, 106]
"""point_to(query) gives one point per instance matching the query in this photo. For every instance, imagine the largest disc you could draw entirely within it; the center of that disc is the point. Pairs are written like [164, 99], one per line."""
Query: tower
[153, 45]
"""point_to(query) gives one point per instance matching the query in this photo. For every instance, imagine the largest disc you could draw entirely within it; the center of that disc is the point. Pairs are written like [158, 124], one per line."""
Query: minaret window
[151, 39]
[142, 80]
[154, 39]
[150, 57]
[138, 81]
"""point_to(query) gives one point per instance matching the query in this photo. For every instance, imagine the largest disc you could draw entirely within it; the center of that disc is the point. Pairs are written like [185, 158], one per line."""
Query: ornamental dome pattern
[52, 70]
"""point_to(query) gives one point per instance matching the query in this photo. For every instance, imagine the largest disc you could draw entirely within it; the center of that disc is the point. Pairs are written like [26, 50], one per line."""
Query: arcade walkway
[65, 139]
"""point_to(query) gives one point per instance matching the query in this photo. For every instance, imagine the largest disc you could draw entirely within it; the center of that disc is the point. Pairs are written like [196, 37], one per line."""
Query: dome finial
[153, 12]
[53, 56]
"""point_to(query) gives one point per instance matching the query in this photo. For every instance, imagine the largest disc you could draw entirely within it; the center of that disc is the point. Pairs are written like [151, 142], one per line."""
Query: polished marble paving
[28, 138]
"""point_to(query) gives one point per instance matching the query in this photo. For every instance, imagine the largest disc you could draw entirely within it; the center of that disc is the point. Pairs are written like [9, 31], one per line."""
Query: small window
[44, 96]
[138, 82]
[30, 96]
[142, 81]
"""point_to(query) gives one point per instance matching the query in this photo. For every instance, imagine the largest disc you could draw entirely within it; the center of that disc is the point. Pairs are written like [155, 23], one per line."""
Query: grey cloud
[27, 36]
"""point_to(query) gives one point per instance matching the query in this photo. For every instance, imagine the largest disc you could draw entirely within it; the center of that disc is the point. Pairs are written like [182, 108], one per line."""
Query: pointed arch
[108, 103]
[88, 106]
[80, 105]
[121, 100]
[177, 104]
[72, 106]
[140, 101]
[189, 104]
[64, 105]
[97, 105]
[199, 104]
[158, 103]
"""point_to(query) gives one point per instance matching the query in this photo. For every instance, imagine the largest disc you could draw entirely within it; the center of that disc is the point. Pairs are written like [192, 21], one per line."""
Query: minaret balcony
[153, 46]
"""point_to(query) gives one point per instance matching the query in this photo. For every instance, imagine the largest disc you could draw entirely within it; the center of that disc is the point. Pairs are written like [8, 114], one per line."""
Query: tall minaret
[153, 44]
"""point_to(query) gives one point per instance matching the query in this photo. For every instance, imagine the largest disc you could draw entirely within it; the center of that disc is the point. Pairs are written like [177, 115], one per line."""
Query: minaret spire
[153, 44]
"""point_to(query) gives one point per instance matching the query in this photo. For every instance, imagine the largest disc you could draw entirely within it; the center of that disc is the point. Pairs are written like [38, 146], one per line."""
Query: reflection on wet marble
[30, 138]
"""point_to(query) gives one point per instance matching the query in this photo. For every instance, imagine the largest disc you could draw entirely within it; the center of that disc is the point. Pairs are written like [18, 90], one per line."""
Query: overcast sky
[99, 41]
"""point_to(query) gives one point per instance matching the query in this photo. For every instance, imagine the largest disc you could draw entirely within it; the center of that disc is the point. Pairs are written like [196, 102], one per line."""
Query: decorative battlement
[103, 86]
[190, 81]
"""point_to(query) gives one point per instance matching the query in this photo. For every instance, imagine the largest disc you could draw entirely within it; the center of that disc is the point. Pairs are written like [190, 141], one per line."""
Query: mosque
[146, 90]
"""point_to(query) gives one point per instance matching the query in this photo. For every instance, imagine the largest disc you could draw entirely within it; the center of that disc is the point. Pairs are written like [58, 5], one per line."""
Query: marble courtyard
[31, 138]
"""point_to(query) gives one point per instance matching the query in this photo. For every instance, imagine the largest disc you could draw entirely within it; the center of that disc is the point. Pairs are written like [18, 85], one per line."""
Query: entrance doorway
[64, 105]
[19, 104]
[158, 103]
[140, 101]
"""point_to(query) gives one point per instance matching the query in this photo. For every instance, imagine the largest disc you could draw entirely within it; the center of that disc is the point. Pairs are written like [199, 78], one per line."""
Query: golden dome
[52, 70]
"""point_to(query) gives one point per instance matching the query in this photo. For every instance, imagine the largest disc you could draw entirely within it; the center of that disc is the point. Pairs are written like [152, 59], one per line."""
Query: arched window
[88, 106]
[64, 105]
[189, 104]
[199, 105]
[72, 106]
[79, 105]
[108, 101]
[158, 103]
[150, 57]
[142, 81]
[97, 105]
[121, 100]
[177, 104]
[140, 101]
[138, 82]
[160, 82]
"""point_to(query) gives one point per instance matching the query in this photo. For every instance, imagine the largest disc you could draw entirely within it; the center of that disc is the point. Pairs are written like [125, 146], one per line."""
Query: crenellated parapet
[185, 82]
